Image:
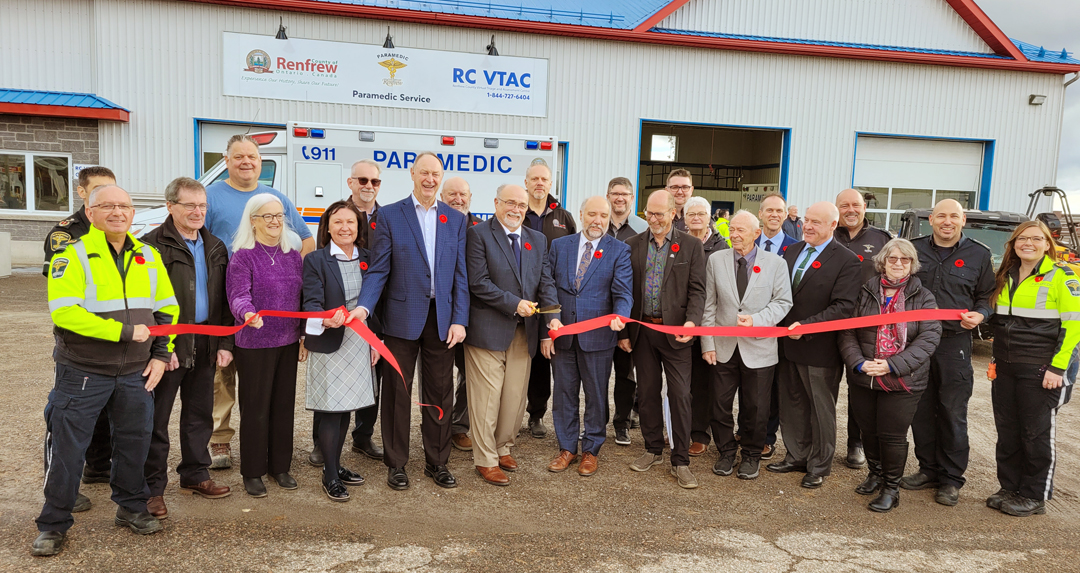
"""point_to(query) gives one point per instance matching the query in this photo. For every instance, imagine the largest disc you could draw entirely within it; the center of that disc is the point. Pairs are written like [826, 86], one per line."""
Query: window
[35, 182]
[663, 147]
[884, 205]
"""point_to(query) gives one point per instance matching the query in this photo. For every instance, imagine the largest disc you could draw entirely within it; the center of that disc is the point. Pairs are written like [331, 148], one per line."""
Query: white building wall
[46, 45]
[166, 68]
[930, 24]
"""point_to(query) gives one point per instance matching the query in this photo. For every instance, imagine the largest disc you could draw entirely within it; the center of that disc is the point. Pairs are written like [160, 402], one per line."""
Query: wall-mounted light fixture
[281, 30]
[491, 51]
[1035, 99]
[389, 43]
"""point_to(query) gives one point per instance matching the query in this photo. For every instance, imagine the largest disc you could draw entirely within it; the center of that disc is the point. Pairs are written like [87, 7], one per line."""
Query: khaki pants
[224, 399]
[496, 391]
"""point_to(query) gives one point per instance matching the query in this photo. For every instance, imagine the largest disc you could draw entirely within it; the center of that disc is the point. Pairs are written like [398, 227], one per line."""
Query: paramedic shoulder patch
[60, 265]
[58, 240]
[1074, 286]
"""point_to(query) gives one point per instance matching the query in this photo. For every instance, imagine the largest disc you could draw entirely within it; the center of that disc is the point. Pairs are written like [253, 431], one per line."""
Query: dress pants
[701, 396]
[497, 388]
[267, 396]
[625, 391]
[437, 373]
[774, 410]
[808, 412]
[459, 421]
[224, 399]
[940, 424]
[654, 359]
[575, 370]
[1025, 414]
[539, 386]
[884, 417]
[196, 388]
[75, 402]
[754, 386]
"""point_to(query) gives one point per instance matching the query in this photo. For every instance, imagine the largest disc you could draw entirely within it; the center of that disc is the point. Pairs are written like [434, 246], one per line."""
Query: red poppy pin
[599, 253]
[959, 263]
[1038, 279]
[860, 258]
[442, 218]
[475, 223]
[140, 260]
[757, 269]
[373, 224]
[363, 266]
[553, 206]
[816, 264]
[528, 247]
[783, 249]
[675, 248]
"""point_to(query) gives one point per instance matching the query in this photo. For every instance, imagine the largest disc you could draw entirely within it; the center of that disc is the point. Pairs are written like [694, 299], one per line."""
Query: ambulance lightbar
[545, 145]
[367, 136]
[300, 132]
[447, 140]
[263, 138]
[532, 145]
[491, 142]
[319, 133]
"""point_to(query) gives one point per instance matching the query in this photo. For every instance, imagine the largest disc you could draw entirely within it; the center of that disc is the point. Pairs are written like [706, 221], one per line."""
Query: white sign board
[338, 72]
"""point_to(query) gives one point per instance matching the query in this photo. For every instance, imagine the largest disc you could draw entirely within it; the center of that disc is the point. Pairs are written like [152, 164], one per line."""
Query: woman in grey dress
[341, 370]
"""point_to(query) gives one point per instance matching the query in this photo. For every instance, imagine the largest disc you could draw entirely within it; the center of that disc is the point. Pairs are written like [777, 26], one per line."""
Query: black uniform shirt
[962, 279]
[63, 234]
[866, 244]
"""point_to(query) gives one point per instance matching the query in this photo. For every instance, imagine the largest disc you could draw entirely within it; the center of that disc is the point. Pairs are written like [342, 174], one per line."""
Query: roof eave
[117, 114]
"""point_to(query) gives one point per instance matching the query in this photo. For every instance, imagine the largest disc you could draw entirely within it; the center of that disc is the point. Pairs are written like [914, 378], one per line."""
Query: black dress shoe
[1020, 506]
[812, 481]
[918, 481]
[397, 479]
[856, 458]
[948, 494]
[82, 503]
[368, 447]
[285, 481]
[255, 487]
[440, 475]
[316, 458]
[349, 477]
[785, 467]
[336, 491]
[47, 543]
[94, 476]
[142, 522]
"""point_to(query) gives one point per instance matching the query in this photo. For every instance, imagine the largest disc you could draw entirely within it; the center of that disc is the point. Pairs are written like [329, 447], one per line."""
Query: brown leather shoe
[562, 462]
[588, 465]
[208, 489]
[156, 506]
[507, 463]
[493, 476]
[697, 448]
[461, 442]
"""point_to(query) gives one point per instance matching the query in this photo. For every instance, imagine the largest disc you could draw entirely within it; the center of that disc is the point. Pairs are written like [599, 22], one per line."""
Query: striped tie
[802, 267]
[586, 258]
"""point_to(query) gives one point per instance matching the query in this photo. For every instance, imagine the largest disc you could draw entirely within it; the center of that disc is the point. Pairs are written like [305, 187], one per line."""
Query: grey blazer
[767, 300]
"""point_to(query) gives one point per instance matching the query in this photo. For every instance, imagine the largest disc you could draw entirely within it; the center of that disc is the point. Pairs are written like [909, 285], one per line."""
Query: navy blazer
[324, 289]
[784, 244]
[605, 288]
[496, 285]
[399, 269]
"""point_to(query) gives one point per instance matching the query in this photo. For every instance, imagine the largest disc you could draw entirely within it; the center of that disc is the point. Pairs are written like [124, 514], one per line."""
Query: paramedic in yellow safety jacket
[721, 227]
[104, 291]
[1036, 327]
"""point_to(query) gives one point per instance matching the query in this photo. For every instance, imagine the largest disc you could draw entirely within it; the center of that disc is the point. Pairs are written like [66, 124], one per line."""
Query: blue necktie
[768, 246]
[517, 248]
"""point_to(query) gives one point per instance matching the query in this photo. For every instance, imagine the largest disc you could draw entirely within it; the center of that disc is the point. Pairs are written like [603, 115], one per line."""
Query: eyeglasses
[514, 205]
[652, 215]
[894, 260]
[270, 218]
[114, 207]
[1036, 240]
[189, 207]
[620, 194]
[682, 188]
[697, 214]
[361, 181]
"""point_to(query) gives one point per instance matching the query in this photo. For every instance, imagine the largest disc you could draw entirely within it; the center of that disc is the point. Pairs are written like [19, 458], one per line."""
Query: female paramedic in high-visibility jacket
[1036, 327]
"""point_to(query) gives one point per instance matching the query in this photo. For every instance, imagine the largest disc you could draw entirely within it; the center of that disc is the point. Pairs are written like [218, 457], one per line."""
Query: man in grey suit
[745, 286]
[508, 271]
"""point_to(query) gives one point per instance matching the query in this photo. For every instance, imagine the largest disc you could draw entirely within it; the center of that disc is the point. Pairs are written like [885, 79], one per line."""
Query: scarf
[891, 338]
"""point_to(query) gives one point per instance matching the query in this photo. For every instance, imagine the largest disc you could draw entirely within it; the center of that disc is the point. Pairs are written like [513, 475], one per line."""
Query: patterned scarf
[891, 338]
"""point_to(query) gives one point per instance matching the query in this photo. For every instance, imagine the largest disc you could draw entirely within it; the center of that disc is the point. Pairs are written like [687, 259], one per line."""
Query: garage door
[896, 174]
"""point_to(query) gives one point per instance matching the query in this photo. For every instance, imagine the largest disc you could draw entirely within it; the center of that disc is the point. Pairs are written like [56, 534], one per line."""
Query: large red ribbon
[767, 331]
[357, 326]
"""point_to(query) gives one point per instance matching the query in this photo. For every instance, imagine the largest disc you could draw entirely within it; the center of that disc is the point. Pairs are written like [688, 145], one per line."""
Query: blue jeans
[74, 405]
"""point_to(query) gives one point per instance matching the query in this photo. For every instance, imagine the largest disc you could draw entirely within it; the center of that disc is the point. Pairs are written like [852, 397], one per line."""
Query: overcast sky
[1054, 24]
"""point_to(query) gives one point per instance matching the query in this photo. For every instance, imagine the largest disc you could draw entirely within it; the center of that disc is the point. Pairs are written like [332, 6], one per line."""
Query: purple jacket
[253, 284]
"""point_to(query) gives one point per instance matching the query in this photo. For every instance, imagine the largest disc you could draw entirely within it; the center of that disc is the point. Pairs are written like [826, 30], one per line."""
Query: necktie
[517, 248]
[741, 277]
[802, 267]
[768, 246]
[586, 258]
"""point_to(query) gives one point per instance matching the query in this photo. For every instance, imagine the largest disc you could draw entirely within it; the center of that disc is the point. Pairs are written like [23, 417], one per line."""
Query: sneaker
[749, 468]
[635, 421]
[686, 479]
[1020, 506]
[646, 461]
[724, 466]
[995, 501]
[622, 437]
[220, 456]
[768, 451]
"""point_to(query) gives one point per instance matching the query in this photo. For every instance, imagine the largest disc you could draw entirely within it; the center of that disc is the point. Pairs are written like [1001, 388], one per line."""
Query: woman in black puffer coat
[888, 368]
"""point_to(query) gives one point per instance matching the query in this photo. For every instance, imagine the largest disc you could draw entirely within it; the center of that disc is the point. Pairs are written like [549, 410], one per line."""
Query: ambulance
[310, 162]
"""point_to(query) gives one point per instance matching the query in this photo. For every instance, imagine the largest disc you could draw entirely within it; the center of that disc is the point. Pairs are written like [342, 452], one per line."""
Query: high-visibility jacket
[97, 297]
[1037, 321]
[721, 227]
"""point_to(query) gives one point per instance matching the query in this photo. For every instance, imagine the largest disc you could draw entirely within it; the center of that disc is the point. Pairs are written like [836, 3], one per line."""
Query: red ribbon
[357, 326]
[767, 331]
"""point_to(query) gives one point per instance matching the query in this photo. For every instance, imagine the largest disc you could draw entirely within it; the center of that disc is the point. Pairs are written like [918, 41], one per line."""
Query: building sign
[338, 72]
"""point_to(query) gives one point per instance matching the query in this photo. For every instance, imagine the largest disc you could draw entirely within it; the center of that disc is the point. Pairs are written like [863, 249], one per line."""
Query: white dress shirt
[428, 219]
[314, 325]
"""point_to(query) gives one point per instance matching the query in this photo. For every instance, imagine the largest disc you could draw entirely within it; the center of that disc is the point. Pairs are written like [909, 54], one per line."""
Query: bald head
[743, 217]
[948, 220]
[511, 201]
[819, 223]
[852, 209]
[456, 193]
[110, 210]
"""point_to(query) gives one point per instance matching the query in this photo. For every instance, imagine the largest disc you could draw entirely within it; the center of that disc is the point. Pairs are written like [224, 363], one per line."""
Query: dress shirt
[750, 258]
[202, 297]
[581, 245]
[777, 241]
[428, 218]
[314, 325]
[809, 260]
[654, 274]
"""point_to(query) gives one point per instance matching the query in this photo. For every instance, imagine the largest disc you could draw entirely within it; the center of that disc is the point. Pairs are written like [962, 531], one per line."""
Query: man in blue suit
[419, 262]
[593, 277]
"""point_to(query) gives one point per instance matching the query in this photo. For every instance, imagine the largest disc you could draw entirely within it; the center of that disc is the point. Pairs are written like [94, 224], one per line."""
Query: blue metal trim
[785, 162]
[1041, 54]
[66, 99]
[565, 161]
[637, 166]
[198, 121]
[617, 14]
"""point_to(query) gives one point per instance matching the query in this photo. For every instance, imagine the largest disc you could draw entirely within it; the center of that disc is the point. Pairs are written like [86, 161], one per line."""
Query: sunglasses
[361, 181]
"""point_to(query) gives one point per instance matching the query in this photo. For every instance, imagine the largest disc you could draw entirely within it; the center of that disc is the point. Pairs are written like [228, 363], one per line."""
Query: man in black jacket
[960, 273]
[196, 261]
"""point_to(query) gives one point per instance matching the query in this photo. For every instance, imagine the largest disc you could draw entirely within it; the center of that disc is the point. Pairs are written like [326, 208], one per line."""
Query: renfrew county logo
[258, 61]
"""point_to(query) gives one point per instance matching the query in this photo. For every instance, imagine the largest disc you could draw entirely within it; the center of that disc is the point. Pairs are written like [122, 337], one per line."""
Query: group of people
[441, 287]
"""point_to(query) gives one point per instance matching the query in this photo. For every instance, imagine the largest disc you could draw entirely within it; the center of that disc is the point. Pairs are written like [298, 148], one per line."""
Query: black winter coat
[913, 363]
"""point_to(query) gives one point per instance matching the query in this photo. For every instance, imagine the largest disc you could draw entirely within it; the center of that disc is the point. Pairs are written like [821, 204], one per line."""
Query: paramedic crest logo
[392, 62]
[258, 61]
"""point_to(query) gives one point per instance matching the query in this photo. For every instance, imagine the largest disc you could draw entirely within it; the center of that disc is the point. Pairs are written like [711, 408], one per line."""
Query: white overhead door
[896, 174]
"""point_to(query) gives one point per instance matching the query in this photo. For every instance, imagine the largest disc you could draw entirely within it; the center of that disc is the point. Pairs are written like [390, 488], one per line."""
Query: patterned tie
[517, 248]
[586, 258]
[802, 267]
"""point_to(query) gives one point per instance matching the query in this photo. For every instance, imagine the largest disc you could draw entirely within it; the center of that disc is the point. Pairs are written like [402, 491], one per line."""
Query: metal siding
[166, 68]
[931, 24]
[46, 45]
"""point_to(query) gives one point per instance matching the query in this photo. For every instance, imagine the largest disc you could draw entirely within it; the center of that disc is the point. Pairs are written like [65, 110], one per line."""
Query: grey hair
[172, 190]
[245, 231]
[97, 190]
[539, 161]
[237, 139]
[906, 250]
[755, 224]
[696, 200]
[366, 162]
[587, 199]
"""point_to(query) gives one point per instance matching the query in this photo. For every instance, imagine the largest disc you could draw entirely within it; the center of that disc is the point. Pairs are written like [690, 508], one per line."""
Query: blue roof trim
[66, 99]
[829, 43]
[1041, 54]
[617, 14]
